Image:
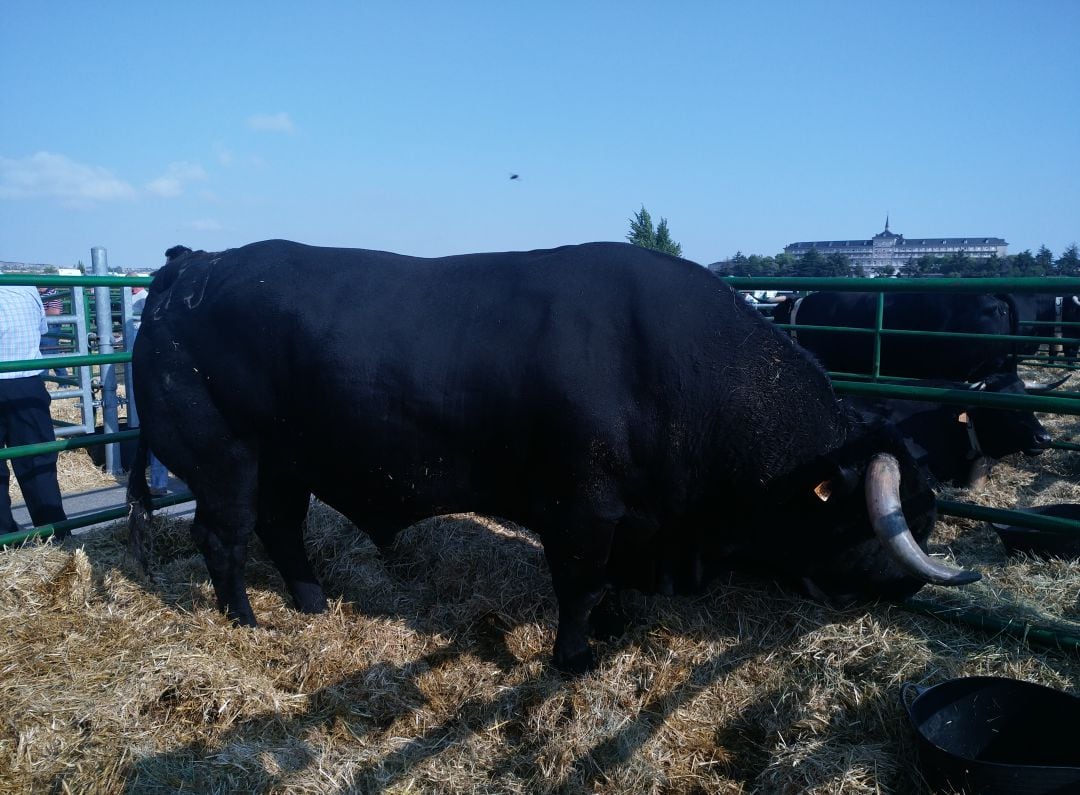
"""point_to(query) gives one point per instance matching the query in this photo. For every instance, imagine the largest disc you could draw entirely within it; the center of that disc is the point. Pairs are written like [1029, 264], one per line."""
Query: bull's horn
[1076, 300]
[887, 519]
[1034, 387]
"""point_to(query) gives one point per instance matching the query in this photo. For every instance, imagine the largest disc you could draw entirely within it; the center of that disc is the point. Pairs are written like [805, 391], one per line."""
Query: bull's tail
[140, 507]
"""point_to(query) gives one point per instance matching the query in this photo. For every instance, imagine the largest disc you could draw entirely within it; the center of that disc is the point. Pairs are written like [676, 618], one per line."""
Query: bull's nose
[1041, 442]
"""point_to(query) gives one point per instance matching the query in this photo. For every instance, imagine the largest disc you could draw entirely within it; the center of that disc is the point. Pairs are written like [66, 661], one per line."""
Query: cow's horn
[887, 519]
[1035, 388]
[1076, 300]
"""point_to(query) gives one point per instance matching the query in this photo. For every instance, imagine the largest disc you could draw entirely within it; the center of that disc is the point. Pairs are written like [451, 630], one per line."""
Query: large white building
[887, 250]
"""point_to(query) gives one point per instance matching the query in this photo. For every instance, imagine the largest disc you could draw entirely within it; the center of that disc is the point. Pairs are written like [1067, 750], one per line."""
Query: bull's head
[1001, 432]
[862, 533]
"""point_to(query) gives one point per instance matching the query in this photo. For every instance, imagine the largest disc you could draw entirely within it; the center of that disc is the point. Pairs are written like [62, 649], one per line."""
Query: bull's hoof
[576, 664]
[242, 619]
[309, 598]
[311, 606]
[607, 622]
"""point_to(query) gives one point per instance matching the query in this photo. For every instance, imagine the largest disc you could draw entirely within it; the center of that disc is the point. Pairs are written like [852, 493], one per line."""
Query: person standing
[24, 411]
[54, 305]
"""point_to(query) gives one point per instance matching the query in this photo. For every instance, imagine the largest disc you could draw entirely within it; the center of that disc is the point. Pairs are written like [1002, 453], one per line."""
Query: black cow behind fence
[904, 356]
[1070, 313]
[955, 443]
[619, 402]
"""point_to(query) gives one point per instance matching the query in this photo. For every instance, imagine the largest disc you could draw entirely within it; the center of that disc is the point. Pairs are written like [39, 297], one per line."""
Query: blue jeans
[24, 419]
[159, 473]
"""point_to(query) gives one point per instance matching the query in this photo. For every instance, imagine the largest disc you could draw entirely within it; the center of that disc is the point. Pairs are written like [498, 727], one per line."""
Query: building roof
[933, 242]
[902, 241]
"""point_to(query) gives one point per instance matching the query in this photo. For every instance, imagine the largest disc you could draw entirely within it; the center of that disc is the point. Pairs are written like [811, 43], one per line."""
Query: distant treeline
[815, 263]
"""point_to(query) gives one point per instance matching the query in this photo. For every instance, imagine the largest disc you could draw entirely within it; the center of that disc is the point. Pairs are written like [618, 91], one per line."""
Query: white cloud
[204, 225]
[225, 155]
[272, 122]
[48, 175]
[172, 182]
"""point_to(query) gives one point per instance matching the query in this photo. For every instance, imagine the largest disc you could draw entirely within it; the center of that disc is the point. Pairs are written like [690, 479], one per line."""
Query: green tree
[756, 265]
[957, 264]
[1068, 264]
[836, 264]
[910, 268]
[1022, 264]
[1045, 259]
[643, 234]
[664, 242]
[810, 264]
[785, 263]
[641, 229]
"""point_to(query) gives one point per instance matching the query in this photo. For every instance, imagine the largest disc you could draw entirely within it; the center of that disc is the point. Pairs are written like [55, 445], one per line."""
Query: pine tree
[641, 229]
[658, 239]
[663, 241]
[1068, 264]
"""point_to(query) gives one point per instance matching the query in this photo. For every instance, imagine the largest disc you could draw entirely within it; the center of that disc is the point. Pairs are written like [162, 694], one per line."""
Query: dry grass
[430, 674]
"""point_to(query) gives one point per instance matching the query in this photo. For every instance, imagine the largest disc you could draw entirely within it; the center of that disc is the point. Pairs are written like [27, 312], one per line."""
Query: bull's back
[481, 368]
[278, 329]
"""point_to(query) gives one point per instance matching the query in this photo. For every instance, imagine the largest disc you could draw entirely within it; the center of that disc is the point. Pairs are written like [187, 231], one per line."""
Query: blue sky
[396, 125]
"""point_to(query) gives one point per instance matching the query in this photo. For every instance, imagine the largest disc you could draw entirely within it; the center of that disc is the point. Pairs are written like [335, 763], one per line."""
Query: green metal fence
[86, 360]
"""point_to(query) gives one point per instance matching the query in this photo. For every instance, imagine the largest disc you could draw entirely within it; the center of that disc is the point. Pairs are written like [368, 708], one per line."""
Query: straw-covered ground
[430, 672]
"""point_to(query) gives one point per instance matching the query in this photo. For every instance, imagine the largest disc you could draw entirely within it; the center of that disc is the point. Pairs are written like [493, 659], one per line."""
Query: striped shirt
[52, 301]
[22, 322]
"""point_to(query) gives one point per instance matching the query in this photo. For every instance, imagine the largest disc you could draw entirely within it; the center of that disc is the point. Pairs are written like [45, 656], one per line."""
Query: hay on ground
[430, 671]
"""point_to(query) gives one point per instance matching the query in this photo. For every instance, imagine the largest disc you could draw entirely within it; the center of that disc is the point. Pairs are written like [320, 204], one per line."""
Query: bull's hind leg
[186, 430]
[225, 492]
[282, 508]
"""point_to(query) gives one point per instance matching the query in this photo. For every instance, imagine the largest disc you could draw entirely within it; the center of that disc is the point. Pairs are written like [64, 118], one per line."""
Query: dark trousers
[25, 419]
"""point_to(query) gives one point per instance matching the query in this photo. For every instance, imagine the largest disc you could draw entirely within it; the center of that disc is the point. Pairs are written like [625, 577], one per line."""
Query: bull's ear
[842, 481]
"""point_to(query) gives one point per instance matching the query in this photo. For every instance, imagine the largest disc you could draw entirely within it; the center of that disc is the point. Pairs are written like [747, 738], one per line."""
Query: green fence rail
[1057, 285]
[108, 515]
[71, 443]
[50, 280]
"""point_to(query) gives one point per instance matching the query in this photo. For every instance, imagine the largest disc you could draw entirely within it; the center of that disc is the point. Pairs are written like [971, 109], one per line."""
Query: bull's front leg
[578, 563]
[280, 526]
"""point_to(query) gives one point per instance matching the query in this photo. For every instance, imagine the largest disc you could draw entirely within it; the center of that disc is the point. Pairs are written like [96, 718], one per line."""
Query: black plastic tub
[989, 735]
[1045, 543]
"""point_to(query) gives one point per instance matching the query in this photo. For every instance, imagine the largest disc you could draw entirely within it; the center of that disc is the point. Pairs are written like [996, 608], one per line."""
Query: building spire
[886, 222]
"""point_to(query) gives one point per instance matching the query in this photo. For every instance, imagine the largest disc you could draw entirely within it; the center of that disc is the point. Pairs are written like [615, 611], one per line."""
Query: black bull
[910, 357]
[956, 443]
[617, 401]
